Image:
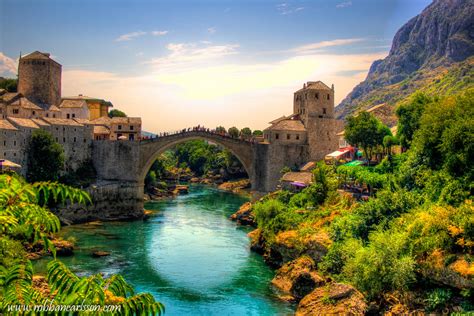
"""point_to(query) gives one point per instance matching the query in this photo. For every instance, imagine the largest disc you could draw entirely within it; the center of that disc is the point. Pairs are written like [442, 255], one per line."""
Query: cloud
[129, 36]
[159, 33]
[344, 4]
[195, 84]
[8, 65]
[285, 8]
[189, 54]
[211, 30]
[308, 48]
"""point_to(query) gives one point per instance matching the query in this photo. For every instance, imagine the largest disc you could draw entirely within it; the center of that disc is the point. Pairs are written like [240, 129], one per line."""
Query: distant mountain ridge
[433, 48]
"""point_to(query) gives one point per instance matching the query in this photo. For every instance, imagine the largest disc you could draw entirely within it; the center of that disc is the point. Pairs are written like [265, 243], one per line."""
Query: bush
[438, 298]
[384, 265]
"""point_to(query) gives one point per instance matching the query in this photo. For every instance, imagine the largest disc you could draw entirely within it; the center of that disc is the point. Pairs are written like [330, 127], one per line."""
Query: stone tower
[314, 104]
[39, 79]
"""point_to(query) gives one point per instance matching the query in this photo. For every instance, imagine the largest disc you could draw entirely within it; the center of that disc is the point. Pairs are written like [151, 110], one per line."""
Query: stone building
[312, 123]
[118, 128]
[14, 104]
[10, 141]
[39, 79]
[84, 107]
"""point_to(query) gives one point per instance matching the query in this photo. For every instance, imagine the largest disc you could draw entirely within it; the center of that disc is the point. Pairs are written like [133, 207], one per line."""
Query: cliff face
[426, 47]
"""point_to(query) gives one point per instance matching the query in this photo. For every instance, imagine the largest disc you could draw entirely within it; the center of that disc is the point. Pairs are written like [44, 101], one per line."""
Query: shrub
[385, 264]
[438, 298]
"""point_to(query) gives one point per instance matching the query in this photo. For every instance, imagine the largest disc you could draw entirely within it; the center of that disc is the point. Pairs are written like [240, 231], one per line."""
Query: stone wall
[111, 201]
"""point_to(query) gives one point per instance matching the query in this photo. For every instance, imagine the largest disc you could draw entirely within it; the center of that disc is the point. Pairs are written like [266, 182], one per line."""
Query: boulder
[332, 299]
[244, 216]
[100, 253]
[297, 278]
[459, 274]
[290, 245]
[257, 242]
[63, 247]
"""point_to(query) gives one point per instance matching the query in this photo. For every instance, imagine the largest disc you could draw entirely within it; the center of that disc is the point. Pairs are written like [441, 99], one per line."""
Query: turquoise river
[189, 255]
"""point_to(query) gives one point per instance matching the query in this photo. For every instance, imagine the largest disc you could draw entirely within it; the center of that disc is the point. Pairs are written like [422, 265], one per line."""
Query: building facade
[312, 123]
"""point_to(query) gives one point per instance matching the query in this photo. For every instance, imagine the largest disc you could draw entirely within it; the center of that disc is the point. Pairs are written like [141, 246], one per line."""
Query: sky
[182, 63]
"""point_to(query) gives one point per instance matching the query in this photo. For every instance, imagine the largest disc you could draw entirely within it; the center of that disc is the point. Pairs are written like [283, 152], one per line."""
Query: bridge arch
[151, 149]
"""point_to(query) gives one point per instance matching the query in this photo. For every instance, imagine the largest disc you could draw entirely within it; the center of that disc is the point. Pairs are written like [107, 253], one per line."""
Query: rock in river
[332, 299]
[297, 278]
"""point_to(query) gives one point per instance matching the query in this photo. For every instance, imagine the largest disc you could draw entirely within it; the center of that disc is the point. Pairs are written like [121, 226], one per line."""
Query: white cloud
[211, 30]
[344, 4]
[129, 36]
[159, 33]
[8, 66]
[189, 54]
[285, 8]
[318, 45]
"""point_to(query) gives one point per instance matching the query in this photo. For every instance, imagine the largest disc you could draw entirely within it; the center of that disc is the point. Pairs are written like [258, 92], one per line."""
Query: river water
[189, 255]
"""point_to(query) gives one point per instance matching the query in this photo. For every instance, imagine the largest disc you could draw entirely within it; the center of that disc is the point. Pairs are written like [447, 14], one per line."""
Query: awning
[8, 164]
[337, 153]
[354, 163]
[298, 184]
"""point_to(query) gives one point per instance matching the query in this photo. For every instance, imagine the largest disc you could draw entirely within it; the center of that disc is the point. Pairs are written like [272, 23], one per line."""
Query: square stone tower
[314, 104]
[39, 79]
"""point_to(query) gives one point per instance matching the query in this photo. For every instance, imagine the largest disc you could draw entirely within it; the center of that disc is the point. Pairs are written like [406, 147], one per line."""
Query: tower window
[329, 97]
[277, 136]
[16, 111]
[317, 95]
[324, 110]
[297, 137]
[119, 127]
[288, 136]
[68, 115]
[131, 127]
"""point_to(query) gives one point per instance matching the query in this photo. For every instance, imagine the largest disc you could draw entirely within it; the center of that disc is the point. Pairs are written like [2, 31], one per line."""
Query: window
[316, 95]
[74, 139]
[34, 112]
[54, 115]
[73, 115]
[64, 139]
[277, 136]
[329, 97]
[288, 136]
[14, 143]
[68, 115]
[16, 111]
[47, 114]
[324, 110]
[119, 127]
[131, 137]
[131, 127]
[297, 137]
[4, 143]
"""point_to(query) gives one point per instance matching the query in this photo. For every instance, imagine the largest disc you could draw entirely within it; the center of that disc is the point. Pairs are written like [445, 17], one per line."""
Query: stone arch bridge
[122, 165]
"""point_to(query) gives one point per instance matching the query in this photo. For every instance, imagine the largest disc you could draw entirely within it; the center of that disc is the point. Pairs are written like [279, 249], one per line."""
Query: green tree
[246, 132]
[45, 157]
[409, 115]
[221, 129]
[257, 132]
[9, 84]
[117, 113]
[234, 132]
[365, 131]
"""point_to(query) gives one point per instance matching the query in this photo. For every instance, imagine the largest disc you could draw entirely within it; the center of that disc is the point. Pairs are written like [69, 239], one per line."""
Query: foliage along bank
[409, 247]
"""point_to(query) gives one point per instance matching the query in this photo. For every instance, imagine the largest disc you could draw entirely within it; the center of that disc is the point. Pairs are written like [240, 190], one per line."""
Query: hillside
[432, 52]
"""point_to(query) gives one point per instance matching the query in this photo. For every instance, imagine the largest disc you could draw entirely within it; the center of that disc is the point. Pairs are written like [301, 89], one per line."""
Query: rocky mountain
[432, 52]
